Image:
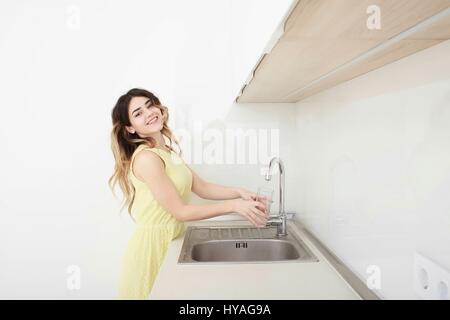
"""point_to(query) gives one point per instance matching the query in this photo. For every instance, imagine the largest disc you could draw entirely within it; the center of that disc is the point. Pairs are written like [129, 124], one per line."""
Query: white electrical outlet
[431, 281]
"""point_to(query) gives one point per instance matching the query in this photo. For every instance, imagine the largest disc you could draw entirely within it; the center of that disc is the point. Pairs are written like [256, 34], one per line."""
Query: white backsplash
[373, 160]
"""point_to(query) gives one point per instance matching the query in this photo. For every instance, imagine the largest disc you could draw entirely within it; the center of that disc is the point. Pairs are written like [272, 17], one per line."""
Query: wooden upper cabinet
[326, 42]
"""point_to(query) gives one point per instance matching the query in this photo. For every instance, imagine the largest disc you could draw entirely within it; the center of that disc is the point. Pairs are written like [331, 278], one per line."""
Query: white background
[58, 85]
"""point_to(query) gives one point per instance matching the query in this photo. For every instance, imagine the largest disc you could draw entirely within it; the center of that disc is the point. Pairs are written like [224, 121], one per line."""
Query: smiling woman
[157, 185]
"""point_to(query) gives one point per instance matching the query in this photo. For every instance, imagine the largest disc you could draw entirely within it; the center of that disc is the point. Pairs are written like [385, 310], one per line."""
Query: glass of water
[265, 195]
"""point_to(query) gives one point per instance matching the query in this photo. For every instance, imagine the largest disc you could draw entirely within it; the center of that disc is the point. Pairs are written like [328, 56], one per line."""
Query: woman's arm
[211, 191]
[149, 167]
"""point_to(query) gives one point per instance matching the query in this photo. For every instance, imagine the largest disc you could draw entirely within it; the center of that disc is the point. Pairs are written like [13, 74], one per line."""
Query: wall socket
[431, 281]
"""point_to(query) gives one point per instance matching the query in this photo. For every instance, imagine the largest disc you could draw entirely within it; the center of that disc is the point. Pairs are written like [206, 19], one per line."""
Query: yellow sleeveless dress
[155, 228]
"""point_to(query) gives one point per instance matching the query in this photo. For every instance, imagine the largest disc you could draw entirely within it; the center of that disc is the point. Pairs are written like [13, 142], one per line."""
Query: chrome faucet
[280, 220]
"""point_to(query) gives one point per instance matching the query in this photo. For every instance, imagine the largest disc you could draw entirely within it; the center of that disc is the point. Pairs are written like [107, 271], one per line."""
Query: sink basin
[244, 250]
[242, 244]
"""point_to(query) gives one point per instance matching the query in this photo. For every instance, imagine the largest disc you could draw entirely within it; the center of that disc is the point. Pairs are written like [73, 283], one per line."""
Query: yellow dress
[155, 228]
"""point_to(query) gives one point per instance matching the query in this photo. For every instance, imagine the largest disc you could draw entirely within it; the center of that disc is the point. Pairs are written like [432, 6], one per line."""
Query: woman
[157, 184]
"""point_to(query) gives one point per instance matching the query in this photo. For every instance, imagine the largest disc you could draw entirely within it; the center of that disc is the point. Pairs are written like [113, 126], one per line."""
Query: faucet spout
[281, 218]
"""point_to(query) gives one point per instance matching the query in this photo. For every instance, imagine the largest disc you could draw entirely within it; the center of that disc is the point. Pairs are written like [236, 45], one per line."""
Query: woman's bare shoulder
[147, 161]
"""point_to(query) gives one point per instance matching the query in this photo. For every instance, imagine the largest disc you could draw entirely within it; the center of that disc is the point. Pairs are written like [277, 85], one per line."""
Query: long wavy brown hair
[124, 143]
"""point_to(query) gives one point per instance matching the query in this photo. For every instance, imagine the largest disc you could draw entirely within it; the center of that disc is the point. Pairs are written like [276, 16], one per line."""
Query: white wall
[374, 168]
[63, 65]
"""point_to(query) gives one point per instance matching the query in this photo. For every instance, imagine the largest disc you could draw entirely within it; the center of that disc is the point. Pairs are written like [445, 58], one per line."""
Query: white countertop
[272, 281]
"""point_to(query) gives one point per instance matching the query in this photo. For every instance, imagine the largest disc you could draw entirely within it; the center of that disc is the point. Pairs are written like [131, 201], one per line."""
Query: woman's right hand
[254, 211]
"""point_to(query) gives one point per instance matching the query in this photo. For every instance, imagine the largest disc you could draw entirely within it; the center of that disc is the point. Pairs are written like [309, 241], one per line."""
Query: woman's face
[145, 119]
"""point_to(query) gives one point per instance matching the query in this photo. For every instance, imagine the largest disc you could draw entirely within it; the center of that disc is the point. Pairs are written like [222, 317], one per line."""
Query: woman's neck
[160, 142]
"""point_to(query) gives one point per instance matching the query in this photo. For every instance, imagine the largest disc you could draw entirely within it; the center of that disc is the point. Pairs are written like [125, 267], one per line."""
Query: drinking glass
[265, 195]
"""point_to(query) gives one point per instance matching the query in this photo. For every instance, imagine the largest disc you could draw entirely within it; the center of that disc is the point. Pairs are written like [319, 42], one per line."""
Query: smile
[153, 120]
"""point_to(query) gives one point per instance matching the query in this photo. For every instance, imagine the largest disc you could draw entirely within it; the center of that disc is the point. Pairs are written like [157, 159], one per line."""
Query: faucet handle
[273, 221]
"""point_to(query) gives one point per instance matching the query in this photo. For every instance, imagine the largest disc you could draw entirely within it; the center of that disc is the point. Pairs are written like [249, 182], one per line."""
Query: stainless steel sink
[239, 244]
[247, 250]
